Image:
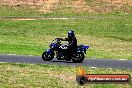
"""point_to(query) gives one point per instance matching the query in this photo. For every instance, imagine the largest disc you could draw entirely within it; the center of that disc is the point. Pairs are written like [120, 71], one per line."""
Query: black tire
[47, 57]
[79, 59]
[81, 80]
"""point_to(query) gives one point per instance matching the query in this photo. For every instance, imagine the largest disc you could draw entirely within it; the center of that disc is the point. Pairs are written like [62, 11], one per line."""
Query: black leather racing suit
[72, 46]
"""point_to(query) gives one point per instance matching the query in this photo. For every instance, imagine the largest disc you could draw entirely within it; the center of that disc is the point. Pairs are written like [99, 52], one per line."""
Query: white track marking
[18, 55]
[29, 55]
[122, 59]
[3, 62]
[109, 68]
[57, 18]
[93, 67]
[12, 54]
[23, 19]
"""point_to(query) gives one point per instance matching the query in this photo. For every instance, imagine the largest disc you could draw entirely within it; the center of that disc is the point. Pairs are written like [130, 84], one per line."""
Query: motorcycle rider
[72, 46]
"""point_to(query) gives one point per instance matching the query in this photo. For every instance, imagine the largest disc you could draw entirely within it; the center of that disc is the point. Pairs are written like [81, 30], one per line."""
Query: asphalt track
[94, 63]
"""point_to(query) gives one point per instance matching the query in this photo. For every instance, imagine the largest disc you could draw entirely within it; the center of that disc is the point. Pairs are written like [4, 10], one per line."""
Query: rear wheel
[79, 57]
[47, 57]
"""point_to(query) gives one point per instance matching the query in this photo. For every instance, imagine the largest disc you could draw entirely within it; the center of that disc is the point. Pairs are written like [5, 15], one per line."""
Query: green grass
[51, 76]
[23, 10]
[107, 38]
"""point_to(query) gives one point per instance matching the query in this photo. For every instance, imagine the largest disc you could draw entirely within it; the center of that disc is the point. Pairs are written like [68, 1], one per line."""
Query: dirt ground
[125, 2]
[47, 5]
[76, 5]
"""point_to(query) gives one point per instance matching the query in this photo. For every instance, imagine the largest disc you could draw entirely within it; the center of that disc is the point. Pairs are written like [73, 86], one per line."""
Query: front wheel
[79, 57]
[47, 57]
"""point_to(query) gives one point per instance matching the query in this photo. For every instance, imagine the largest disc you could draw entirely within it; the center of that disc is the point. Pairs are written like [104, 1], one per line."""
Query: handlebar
[59, 38]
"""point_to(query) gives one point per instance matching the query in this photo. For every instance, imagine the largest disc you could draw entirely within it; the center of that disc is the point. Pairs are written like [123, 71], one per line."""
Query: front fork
[60, 55]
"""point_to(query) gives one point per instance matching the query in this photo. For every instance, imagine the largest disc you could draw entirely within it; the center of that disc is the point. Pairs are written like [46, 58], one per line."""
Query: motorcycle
[60, 50]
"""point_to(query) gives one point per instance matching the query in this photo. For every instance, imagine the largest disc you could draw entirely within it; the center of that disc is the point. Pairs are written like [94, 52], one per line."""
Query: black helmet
[71, 34]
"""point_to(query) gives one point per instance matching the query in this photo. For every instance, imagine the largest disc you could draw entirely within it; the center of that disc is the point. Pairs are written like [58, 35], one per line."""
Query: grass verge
[51, 76]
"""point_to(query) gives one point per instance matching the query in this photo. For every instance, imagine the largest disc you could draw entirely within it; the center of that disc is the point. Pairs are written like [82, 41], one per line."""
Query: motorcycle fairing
[49, 51]
[82, 48]
[53, 45]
